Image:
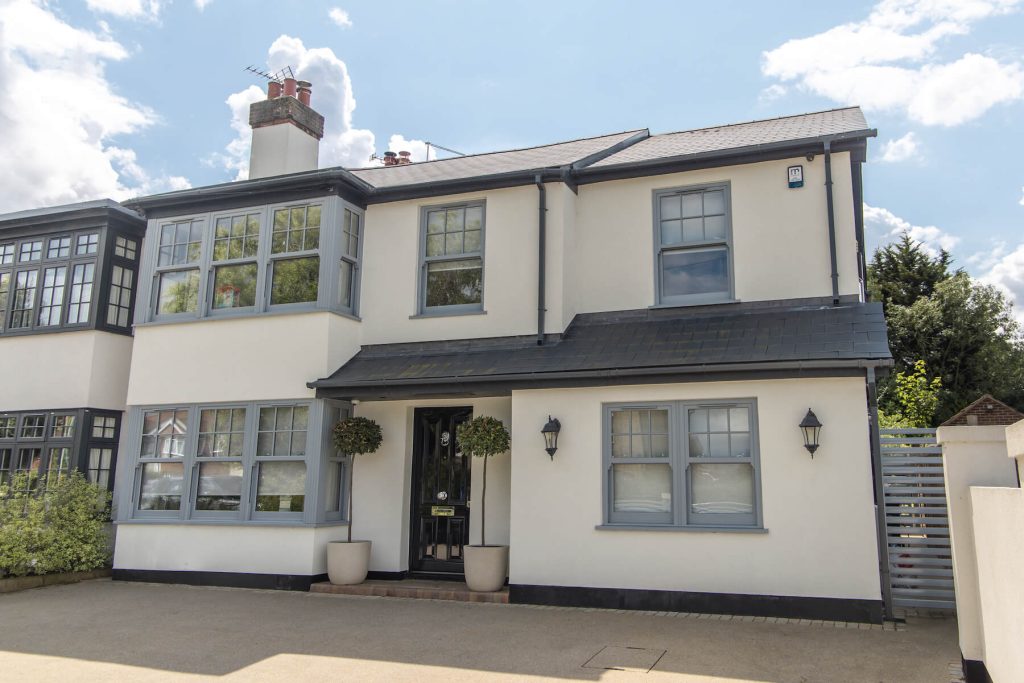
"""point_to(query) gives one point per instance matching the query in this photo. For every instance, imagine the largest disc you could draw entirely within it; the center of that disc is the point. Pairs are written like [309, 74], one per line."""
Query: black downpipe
[831, 222]
[542, 211]
[876, 472]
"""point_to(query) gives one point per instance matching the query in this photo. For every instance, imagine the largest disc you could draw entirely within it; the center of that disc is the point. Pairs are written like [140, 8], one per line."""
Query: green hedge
[61, 531]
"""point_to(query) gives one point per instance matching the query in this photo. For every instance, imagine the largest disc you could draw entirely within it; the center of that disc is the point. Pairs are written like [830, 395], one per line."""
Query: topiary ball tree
[356, 436]
[482, 437]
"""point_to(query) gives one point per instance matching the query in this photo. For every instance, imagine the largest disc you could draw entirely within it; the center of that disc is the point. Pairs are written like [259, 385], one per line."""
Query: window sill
[212, 521]
[178, 320]
[445, 314]
[717, 302]
[683, 529]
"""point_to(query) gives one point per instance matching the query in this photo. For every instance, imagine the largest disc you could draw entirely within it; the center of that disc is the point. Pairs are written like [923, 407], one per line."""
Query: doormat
[624, 658]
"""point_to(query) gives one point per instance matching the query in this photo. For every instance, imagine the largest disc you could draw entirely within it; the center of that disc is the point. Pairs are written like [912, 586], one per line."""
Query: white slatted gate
[917, 527]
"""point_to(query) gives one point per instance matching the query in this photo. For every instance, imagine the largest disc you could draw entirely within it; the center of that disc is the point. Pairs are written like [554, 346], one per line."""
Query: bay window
[682, 464]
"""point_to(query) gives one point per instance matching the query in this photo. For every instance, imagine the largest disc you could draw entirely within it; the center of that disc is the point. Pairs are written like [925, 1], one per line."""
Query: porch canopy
[732, 341]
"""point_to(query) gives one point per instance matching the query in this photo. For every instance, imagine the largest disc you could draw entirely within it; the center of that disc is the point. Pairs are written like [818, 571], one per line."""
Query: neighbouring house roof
[619, 155]
[741, 135]
[639, 346]
[986, 411]
[493, 163]
[100, 208]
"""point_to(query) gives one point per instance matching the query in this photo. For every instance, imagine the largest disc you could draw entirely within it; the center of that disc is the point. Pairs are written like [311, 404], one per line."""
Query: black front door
[440, 490]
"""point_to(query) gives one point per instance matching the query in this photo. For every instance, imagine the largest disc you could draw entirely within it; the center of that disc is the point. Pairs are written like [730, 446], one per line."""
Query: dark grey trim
[608, 151]
[284, 582]
[71, 217]
[785, 606]
[465, 387]
[881, 532]
[856, 172]
[975, 671]
[831, 223]
[387, 576]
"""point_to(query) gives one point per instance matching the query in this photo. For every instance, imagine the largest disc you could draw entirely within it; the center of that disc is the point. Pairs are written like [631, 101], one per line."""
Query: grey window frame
[335, 411]
[197, 462]
[421, 306]
[329, 252]
[353, 260]
[160, 270]
[210, 267]
[317, 435]
[680, 461]
[660, 249]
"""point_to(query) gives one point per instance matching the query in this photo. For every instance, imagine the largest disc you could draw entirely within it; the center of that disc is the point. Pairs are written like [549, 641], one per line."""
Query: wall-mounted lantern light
[811, 428]
[550, 433]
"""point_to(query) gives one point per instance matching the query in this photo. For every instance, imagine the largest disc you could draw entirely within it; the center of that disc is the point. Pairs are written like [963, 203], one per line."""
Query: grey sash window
[162, 459]
[120, 305]
[452, 264]
[219, 455]
[682, 464]
[280, 457]
[236, 241]
[296, 235]
[693, 234]
[179, 249]
[348, 273]
[52, 296]
[82, 276]
[24, 298]
[100, 466]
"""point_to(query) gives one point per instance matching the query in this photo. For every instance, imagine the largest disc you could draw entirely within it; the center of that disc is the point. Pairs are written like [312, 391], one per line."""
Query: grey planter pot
[348, 562]
[486, 567]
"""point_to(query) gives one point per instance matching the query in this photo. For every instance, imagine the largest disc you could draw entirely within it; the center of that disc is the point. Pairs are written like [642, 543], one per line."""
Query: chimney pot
[390, 159]
[273, 90]
[305, 91]
[290, 87]
[404, 157]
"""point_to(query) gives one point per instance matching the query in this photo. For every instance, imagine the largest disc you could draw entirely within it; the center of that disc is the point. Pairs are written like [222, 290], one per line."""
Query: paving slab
[107, 630]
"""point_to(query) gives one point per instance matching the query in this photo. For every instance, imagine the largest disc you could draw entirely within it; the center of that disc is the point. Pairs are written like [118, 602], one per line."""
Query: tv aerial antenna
[275, 77]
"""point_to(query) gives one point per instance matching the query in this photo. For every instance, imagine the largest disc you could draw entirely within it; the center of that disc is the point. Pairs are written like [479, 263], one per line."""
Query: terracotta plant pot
[486, 567]
[348, 562]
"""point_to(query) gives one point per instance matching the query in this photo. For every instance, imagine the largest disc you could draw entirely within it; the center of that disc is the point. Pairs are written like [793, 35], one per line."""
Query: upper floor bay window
[301, 256]
[682, 464]
[694, 244]
[259, 461]
[49, 283]
[452, 267]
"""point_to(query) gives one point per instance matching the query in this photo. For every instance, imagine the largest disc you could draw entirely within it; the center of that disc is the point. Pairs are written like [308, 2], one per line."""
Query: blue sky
[125, 97]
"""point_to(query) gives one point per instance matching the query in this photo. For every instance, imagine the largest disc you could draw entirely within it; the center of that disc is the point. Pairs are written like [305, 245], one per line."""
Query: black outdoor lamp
[550, 433]
[811, 428]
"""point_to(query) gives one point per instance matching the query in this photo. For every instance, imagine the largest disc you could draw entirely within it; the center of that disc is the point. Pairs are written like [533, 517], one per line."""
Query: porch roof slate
[634, 341]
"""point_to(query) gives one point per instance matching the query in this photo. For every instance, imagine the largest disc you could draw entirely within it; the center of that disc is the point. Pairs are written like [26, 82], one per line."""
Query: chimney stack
[286, 131]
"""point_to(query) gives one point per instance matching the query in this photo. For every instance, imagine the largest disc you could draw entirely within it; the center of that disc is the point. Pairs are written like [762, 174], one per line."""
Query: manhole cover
[624, 658]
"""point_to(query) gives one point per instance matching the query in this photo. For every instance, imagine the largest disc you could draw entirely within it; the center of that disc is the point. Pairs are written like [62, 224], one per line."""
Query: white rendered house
[677, 301]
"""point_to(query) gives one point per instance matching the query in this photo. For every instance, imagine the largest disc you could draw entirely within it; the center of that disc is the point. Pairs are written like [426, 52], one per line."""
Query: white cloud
[889, 62]
[1022, 196]
[127, 9]
[60, 114]
[417, 148]
[1007, 273]
[900, 149]
[340, 17]
[201, 4]
[342, 144]
[932, 239]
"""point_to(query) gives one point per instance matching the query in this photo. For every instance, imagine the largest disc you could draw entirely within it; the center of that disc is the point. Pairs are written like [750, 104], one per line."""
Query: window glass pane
[31, 251]
[119, 307]
[739, 419]
[221, 432]
[435, 221]
[714, 228]
[58, 467]
[474, 218]
[701, 271]
[178, 292]
[671, 207]
[714, 202]
[162, 485]
[8, 427]
[282, 431]
[6, 254]
[24, 298]
[296, 229]
[620, 421]
[103, 427]
[63, 427]
[333, 476]
[236, 237]
[671, 232]
[180, 243]
[29, 462]
[281, 487]
[693, 229]
[51, 298]
[81, 293]
[59, 247]
[692, 205]
[33, 426]
[718, 419]
[454, 283]
[722, 488]
[220, 486]
[345, 284]
[6, 463]
[642, 488]
[101, 463]
[163, 433]
[350, 236]
[295, 281]
[234, 286]
[125, 248]
[5, 287]
[87, 244]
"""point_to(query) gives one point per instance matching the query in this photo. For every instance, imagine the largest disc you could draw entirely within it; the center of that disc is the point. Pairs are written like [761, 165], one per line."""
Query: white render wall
[971, 456]
[819, 513]
[247, 549]
[780, 236]
[266, 357]
[382, 484]
[83, 369]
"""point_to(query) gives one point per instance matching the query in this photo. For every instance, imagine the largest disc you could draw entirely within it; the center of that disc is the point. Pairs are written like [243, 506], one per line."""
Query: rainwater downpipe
[881, 532]
[831, 222]
[542, 210]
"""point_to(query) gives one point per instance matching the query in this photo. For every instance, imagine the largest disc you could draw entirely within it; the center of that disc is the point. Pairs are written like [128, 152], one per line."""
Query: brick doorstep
[424, 590]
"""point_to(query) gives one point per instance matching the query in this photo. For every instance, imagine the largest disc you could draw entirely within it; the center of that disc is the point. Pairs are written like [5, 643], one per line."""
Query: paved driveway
[104, 630]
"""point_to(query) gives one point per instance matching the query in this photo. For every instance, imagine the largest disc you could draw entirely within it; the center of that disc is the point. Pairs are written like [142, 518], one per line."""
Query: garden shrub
[62, 530]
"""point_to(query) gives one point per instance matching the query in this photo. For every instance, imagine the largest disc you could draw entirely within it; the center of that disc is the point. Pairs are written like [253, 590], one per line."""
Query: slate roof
[636, 342]
[740, 135]
[473, 165]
